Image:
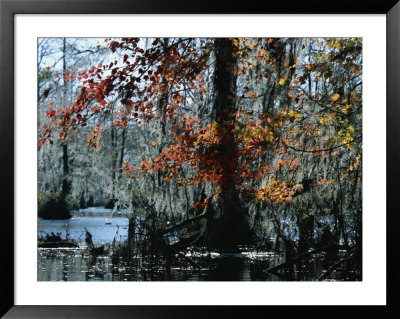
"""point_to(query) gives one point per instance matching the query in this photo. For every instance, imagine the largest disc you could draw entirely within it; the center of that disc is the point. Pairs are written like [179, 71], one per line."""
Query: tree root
[183, 224]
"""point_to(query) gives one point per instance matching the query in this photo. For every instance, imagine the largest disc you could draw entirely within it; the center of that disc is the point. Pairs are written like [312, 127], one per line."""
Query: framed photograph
[163, 159]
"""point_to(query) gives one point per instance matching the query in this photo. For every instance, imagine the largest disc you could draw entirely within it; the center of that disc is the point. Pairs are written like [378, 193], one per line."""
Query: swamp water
[78, 265]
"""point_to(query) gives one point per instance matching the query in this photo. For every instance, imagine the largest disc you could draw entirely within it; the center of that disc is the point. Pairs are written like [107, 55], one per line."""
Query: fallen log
[57, 244]
[335, 265]
[297, 259]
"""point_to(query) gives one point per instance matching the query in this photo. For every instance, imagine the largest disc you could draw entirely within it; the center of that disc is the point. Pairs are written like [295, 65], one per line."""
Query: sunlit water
[101, 232]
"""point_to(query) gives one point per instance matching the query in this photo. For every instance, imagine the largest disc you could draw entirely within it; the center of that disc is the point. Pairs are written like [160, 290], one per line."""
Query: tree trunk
[114, 159]
[66, 184]
[121, 156]
[231, 226]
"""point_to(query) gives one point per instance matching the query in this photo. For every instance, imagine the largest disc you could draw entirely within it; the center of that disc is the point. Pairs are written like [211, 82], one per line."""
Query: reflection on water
[76, 265]
[79, 265]
[71, 265]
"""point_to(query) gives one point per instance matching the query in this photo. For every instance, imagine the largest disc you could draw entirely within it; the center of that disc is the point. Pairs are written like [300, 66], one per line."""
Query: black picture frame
[9, 8]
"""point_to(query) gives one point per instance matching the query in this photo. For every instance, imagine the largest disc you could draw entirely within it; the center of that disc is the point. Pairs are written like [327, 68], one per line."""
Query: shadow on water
[229, 269]
[76, 265]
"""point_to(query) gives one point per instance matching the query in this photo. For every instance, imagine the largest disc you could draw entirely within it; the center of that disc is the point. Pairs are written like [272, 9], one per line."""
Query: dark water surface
[78, 265]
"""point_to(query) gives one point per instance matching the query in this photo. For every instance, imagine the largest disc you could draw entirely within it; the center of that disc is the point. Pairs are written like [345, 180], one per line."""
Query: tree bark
[66, 184]
[231, 227]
